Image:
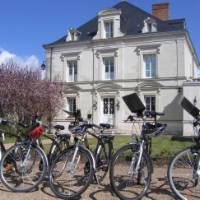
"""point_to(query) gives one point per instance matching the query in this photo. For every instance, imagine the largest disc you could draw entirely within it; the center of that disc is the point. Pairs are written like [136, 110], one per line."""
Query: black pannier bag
[189, 107]
[134, 103]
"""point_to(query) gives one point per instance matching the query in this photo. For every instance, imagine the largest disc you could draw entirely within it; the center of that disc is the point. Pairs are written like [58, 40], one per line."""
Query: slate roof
[132, 21]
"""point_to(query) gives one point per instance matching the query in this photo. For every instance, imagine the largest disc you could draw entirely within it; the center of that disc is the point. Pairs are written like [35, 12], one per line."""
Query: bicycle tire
[102, 163]
[57, 188]
[120, 154]
[9, 169]
[180, 184]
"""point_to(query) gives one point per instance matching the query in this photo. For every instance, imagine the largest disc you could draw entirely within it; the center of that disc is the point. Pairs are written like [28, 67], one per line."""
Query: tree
[23, 94]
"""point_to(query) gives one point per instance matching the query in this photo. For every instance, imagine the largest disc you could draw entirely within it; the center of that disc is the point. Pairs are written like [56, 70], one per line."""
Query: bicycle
[131, 166]
[74, 169]
[184, 168]
[19, 168]
[24, 165]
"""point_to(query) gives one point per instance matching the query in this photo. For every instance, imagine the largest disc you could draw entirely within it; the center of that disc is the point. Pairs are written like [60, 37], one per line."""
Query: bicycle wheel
[19, 169]
[127, 183]
[102, 162]
[184, 173]
[69, 179]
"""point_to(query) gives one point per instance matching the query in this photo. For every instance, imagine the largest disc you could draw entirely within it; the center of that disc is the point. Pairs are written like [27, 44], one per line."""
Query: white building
[124, 50]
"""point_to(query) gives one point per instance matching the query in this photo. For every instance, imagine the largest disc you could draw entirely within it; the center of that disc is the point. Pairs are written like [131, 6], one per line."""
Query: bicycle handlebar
[154, 114]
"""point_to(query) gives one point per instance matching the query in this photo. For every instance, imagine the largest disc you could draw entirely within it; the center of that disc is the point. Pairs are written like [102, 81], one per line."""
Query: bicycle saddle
[59, 127]
[104, 125]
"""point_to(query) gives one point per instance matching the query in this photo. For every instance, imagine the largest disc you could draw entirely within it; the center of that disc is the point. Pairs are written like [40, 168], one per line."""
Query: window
[150, 102]
[72, 104]
[149, 65]
[73, 36]
[109, 68]
[149, 27]
[109, 29]
[72, 70]
[108, 106]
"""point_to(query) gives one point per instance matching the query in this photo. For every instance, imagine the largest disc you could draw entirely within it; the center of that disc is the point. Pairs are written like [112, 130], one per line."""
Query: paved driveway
[159, 191]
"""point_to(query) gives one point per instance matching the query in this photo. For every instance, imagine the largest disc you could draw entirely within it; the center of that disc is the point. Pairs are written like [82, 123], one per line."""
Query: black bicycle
[76, 167]
[131, 166]
[184, 168]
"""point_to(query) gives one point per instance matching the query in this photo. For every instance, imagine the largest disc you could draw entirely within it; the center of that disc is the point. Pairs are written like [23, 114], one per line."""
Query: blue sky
[26, 25]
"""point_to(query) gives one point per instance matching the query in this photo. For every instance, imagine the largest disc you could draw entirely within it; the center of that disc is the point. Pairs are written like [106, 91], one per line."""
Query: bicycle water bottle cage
[36, 132]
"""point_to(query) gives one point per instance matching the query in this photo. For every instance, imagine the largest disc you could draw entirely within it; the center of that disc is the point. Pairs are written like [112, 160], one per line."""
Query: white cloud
[30, 62]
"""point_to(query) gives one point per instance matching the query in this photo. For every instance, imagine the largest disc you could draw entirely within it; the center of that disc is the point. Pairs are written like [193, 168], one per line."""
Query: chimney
[161, 11]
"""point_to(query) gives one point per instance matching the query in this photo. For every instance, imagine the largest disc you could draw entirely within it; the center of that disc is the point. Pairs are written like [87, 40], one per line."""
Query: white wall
[190, 91]
[171, 59]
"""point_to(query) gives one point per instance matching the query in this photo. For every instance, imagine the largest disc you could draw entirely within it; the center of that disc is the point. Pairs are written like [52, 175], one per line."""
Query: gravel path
[159, 191]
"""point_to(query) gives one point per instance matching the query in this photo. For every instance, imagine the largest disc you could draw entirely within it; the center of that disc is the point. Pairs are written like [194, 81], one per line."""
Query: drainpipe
[93, 84]
[177, 58]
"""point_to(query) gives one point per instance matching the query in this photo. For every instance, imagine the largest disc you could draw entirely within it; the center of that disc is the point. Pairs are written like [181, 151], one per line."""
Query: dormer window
[73, 35]
[108, 25]
[150, 25]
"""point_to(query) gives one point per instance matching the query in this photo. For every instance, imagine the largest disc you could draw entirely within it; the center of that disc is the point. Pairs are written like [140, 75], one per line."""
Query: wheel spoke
[183, 177]
[20, 168]
[127, 182]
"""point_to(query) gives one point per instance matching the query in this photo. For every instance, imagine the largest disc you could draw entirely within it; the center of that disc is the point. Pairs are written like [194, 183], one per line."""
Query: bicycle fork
[24, 162]
[135, 172]
[71, 167]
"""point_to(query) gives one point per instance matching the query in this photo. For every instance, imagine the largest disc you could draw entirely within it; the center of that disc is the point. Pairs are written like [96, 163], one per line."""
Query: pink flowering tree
[23, 94]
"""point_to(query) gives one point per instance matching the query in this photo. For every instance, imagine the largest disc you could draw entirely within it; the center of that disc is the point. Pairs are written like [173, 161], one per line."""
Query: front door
[108, 110]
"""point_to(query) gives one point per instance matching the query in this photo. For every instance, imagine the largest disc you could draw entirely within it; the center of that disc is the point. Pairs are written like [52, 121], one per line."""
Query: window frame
[152, 75]
[151, 96]
[74, 67]
[73, 107]
[110, 75]
[109, 33]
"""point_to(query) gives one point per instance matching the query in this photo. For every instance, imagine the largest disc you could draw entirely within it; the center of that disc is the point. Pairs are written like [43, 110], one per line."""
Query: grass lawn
[162, 146]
